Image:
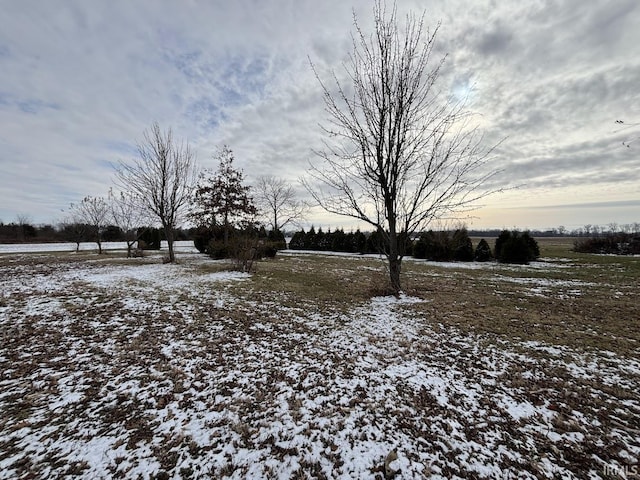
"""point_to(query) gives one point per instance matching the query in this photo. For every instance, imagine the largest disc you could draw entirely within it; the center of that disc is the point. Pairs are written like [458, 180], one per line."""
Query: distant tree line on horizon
[25, 231]
[72, 233]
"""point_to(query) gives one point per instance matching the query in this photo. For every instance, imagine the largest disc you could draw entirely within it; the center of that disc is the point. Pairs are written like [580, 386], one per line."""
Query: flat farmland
[130, 368]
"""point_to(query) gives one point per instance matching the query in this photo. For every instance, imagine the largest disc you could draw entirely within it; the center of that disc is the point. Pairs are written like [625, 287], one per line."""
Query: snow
[140, 369]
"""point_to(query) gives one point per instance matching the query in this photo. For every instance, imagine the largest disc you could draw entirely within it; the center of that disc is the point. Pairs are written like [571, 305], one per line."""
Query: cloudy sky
[81, 80]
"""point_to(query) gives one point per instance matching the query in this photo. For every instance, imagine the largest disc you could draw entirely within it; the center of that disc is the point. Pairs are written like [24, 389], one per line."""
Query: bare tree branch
[127, 213]
[94, 212]
[396, 155]
[277, 202]
[162, 179]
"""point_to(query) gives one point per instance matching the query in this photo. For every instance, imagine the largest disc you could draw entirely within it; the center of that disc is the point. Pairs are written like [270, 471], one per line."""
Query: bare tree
[128, 214]
[396, 156]
[277, 202]
[23, 222]
[74, 228]
[162, 178]
[94, 212]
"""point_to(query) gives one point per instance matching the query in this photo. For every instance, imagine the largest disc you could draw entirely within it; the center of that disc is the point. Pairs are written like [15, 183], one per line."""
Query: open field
[128, 368]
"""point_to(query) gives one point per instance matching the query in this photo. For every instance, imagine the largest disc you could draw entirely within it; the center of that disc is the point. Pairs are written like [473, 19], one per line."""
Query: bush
[201, 239]
[150, 239]
[483, 252]
[433, 246]
[444, 247]
[268, 250]
[211, 241]
[613, 244]
[218, 250]
[461, 246]
[375, 243]
[516, 247]
[244, 248]
[297, 241]
[276, 240]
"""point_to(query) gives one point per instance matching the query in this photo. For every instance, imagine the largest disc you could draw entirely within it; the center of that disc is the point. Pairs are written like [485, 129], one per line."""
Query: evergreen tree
[323, 241]
[360, 242]
[516, 247]
[221, 198]
[462, 247]
[338, 241]
[310, 239]
[297, 242]
[483, 252]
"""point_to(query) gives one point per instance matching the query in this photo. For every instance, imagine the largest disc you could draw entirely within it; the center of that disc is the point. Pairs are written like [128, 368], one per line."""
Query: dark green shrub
[277, 240]
[310, 239]
[322, 241]
[201, 239]
[461, 246]
[112, 233]
[376, 243]
[534, 249]
[516, 247]
[218, 250]
[268, 250]
[433, 246]
[150, 239]
[297, 241]
[483, 252]
[359, 242]
[613, 244]
[338, 241]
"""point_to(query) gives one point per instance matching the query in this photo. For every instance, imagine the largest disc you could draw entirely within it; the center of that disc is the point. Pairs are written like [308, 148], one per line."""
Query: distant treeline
[561, 231]
[27, 233]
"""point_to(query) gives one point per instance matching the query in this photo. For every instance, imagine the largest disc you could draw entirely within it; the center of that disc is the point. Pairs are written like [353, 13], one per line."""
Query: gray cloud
[82, 80]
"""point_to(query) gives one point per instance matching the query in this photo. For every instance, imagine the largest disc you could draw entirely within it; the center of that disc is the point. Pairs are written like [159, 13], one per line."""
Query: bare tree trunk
[129, 247]
[168, 233]
[395, 267]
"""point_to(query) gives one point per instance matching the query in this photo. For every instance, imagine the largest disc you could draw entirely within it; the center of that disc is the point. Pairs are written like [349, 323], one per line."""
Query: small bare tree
[396, 157]
[74, 228]
[23, 222]
[277, 202]
[94, 212]
[162, 178]
[128, 214]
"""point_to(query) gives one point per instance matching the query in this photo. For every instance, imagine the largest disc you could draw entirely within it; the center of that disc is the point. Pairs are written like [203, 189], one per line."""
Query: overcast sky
[81, 80]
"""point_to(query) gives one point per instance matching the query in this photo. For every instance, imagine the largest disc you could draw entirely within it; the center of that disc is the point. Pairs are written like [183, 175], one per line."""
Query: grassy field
[127, 368]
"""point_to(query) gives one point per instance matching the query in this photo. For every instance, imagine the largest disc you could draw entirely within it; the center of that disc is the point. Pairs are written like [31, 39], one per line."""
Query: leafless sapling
[162, 178]
[397, 156]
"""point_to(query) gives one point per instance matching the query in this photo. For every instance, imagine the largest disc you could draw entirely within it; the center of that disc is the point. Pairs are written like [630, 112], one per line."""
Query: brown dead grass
[585, 302]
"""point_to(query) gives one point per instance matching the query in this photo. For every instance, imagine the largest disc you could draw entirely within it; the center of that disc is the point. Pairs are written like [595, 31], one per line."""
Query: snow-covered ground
[143, 370]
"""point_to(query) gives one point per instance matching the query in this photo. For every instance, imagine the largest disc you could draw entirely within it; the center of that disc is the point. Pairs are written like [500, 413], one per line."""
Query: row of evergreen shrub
[339, 241]
[510, 247]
